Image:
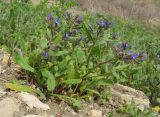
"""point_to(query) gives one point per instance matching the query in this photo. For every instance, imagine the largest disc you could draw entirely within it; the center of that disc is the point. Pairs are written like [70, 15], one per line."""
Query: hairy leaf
[72, 81]
[51, 83]
[24, 63]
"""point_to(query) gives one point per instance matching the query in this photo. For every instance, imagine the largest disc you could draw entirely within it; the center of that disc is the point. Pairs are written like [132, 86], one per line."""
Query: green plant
[132, 111]
[70, 57]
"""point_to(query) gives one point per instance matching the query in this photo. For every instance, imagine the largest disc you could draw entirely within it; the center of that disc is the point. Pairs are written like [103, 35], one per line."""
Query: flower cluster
[122, 47]
[105, 24]
[128, 55]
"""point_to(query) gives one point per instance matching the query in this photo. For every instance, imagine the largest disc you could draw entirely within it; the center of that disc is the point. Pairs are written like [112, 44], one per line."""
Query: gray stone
[8, 106]
[2, 92]
[39, 116]
[6, 60]
[32, 101]
[125, 95]
[95, 113]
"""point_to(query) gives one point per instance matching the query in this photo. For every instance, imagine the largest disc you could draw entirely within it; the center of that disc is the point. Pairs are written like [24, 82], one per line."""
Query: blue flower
[126, 45]
[49, 17]
[46, 54]
[57, 21]
[67, 35]
[103, 24]
[135, 56]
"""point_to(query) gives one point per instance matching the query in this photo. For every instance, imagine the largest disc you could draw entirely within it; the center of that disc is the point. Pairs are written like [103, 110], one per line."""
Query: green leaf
[104, 39]
[80, 55]
[50, 79]
[121, 67]
[58, 38]
[70, 100]
[124, 74]
[18, 87]
[72, 81]
[43, 43]
[115, 74]
[42, 96]
[24, 63]
[59, 53]
[95, 50]
[24, 45]
[71, 71]
[88, 33]
[93, 91]
[64, 63]
[102, 83]
[76, 103]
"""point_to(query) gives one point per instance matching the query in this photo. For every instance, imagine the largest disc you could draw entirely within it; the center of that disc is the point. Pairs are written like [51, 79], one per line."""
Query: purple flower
[135, 56]
[103, 24]
[49, 17]
[46, 54]
[57, 21]
[67, 35]
[126, 45]
[79, 19]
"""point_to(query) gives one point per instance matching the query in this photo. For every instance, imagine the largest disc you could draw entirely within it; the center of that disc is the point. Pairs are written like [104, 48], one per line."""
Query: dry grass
[147, 10]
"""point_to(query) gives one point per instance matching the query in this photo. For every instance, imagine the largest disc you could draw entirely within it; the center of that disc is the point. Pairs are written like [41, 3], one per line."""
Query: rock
[125, 95]
[2, 92]
[1, 70]
[38, 116]
[6, 60]
[8, 106]
[32, 101]
[32, 116]
[95, 113]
